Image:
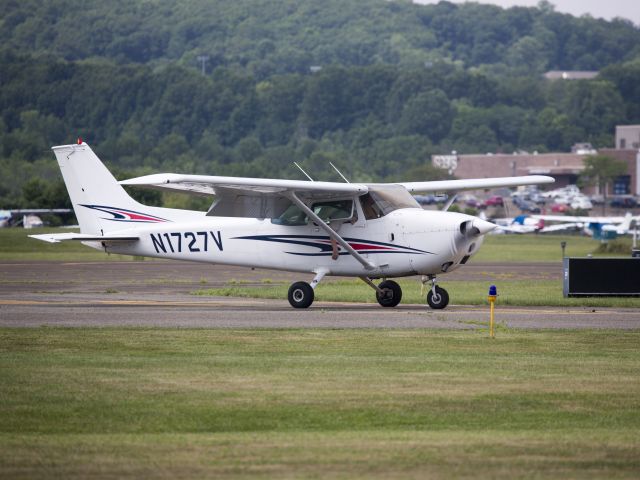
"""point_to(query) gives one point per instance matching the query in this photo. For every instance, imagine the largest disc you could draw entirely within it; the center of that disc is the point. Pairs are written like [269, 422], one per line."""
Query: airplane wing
[560, 227]
[209, 185]
[475, 183]
[579, 219]
[213, 185]
[517, 228]
[35, 211]
[59, 237]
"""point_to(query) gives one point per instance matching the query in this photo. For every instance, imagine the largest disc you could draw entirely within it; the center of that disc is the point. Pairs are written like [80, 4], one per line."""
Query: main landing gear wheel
[439, 299]
[392, 294]
[300, 295]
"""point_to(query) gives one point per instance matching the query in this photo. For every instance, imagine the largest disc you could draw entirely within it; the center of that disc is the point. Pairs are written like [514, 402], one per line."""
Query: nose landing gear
[437, 298]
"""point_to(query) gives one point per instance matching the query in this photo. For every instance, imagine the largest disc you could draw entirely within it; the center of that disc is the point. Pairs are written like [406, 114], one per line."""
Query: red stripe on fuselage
[362, 246]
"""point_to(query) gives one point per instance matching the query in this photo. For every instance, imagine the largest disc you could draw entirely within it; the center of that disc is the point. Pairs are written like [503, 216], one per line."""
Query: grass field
[191, 403]
[144, 403]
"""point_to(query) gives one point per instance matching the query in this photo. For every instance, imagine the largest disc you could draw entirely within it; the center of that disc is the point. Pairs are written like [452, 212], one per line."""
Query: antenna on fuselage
[305, 173]
[339, 173]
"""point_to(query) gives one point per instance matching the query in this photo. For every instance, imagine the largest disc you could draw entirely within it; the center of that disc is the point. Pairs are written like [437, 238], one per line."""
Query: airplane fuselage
[406, 242]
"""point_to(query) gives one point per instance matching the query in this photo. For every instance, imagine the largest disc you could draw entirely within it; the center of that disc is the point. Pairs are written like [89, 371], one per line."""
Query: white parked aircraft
[370, 231]
[598, 227]
[29, 217]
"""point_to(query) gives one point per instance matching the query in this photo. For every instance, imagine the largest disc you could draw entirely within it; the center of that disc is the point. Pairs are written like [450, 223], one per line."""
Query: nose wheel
[437, 297]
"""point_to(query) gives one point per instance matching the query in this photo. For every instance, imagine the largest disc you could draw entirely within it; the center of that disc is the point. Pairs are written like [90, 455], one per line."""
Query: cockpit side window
[292, 216]
[328, 210]
[334, 210]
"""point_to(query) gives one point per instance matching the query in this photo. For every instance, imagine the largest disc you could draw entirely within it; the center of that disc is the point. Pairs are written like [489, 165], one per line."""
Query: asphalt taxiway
[158, 294]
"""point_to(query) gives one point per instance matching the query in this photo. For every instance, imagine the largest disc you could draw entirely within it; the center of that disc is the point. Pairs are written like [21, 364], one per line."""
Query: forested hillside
[397, 83]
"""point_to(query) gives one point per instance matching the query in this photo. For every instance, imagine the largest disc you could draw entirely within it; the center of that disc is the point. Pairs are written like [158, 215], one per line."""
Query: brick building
[564, 167]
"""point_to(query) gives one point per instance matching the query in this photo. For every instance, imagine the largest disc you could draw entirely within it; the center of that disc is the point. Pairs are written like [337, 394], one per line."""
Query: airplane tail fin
[100, 203]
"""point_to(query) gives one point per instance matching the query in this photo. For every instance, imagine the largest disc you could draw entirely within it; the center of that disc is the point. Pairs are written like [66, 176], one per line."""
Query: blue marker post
[493, 293]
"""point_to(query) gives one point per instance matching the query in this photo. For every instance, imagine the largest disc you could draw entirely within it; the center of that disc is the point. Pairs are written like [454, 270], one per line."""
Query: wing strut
[332, 233]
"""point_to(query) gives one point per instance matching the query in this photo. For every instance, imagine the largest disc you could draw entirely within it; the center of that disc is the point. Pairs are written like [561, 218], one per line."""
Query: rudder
[93, 190]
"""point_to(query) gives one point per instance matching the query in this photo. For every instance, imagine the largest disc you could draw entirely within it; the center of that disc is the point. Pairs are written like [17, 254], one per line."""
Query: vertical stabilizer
[96, 196]
[625, 226]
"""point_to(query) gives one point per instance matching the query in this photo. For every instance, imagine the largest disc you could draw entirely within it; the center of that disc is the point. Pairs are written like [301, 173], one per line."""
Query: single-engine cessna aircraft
[370, 231]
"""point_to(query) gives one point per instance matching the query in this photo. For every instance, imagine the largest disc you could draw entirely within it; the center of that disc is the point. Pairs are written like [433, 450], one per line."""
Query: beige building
[628, 136]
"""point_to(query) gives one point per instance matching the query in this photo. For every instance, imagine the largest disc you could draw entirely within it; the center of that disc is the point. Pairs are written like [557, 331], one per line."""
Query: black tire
[439, 300]
[392, 294]
[300, 295]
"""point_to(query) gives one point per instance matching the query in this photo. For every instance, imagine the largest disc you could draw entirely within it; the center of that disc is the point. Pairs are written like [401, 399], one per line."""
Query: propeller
[475, 227]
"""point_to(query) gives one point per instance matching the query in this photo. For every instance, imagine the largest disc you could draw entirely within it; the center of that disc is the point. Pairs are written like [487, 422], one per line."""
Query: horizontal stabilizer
[59, 237]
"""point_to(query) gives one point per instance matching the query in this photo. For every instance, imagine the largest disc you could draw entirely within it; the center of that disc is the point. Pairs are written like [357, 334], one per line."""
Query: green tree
[626, 77]
[600, 170]
[39, 193]
[423, 173]
[427, 114]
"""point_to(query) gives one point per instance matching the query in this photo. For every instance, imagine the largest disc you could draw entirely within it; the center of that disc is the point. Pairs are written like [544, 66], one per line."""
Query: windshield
[384, 199]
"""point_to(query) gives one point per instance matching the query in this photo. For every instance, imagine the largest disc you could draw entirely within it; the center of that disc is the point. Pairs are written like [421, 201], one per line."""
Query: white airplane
[533, 224]
[370, 231]
[29, 217]
[519, 224]
[598, 227]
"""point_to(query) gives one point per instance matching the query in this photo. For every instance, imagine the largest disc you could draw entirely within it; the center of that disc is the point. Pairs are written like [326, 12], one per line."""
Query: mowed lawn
[190, 403]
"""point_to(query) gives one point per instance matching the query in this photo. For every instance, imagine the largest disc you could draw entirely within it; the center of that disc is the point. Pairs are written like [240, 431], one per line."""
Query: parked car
[559, 208]
[493, 201]
[528, 206]
[568, 191]
[425, 199]
[623, 202]
[469, 200]
[537, 198]
[572, 190]
[581, 203]
[519, 201]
